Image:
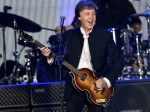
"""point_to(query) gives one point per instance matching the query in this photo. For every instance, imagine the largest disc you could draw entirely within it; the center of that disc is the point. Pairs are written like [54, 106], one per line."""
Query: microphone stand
[148, 60]
[4, 79]
[60, 59]
[16, 54]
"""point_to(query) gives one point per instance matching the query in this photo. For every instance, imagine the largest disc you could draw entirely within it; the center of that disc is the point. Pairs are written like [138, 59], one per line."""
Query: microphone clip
[62, 19]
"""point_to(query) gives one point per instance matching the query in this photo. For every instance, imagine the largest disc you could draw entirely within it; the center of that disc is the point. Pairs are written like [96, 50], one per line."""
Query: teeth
[90, 21]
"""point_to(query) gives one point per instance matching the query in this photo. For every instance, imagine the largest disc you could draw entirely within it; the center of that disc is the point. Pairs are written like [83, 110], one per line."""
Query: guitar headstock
[25, 37]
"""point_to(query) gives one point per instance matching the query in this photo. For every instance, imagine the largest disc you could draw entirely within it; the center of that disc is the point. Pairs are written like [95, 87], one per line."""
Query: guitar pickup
[83, 77]
[102, 90]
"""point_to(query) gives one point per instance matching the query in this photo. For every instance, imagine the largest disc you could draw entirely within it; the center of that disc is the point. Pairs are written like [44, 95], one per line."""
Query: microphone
[62, 18]
[6, 8]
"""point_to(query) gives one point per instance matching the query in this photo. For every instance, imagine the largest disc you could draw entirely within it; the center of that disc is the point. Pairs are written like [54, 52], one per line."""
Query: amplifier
[46, 93]
[54, 109]
[15, 110]
[14, 96]
[130, 96]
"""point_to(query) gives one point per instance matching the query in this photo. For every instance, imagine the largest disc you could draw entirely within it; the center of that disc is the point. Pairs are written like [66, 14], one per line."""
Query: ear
[79, 18]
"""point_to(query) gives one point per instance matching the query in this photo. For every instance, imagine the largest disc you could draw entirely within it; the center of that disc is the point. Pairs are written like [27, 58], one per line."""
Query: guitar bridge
[83, 77]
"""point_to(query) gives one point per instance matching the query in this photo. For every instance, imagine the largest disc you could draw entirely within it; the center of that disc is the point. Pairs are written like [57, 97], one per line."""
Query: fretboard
[65, 63]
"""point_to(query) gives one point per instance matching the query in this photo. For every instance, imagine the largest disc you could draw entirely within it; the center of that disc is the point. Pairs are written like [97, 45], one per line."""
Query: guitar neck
[72, 68]
[41, 45]
[65, 63]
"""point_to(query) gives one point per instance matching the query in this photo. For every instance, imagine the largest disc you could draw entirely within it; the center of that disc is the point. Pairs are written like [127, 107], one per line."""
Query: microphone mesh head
[63, 17]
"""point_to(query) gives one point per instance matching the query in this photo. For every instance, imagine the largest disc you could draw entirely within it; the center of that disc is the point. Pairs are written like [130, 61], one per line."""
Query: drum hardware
[113, 31]
[4, 79]
[140, 70]
[11, 78]
[14, 77]
[31, 57]
[147, 15]
[27, 76]
[125, 41]
[16, 22]
[53, 42]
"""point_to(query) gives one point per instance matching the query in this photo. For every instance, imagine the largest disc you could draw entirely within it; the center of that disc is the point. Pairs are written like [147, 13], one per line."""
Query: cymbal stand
[12, 78]
[148, 51]
[4, 79]
[140, 70]
[15, 53]
[125, 51]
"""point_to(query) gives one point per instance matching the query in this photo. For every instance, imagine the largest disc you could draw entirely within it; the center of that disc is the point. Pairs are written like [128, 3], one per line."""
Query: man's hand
[45, 51]
[100, 83]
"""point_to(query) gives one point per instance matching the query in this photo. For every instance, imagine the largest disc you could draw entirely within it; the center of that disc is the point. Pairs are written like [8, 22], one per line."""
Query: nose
[91, 16]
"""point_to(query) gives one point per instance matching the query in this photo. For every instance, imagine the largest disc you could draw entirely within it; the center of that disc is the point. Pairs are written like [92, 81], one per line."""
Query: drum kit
[133, 50]
[12, 71]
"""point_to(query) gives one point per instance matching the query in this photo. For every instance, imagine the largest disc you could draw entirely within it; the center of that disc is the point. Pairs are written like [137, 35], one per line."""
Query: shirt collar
[83, 32]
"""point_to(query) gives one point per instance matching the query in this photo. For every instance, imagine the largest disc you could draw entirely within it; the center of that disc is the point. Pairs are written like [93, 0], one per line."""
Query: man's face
[87, 18]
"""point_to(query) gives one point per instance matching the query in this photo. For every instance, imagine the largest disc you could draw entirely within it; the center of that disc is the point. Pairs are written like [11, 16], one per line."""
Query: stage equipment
[16, 22]
[14, 96]
[48, 29]
[46, 93]
[146, 14]
[46, 97]
[15, 110]
[31, 57]
[53, 41]
[11, 79]
[54, 109]
[61, 54]
[130, 96]
[116, 32]
[7, 19]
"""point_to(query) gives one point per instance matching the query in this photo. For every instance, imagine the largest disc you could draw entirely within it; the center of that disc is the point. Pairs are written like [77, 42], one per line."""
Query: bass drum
[10, 64]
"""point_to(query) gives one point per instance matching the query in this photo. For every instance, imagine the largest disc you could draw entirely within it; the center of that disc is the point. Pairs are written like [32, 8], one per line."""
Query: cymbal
[145, 14]
[7, 19]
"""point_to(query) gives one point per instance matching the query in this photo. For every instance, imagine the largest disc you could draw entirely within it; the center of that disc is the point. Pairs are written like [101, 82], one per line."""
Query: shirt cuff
[50, 61]
[107, 81]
